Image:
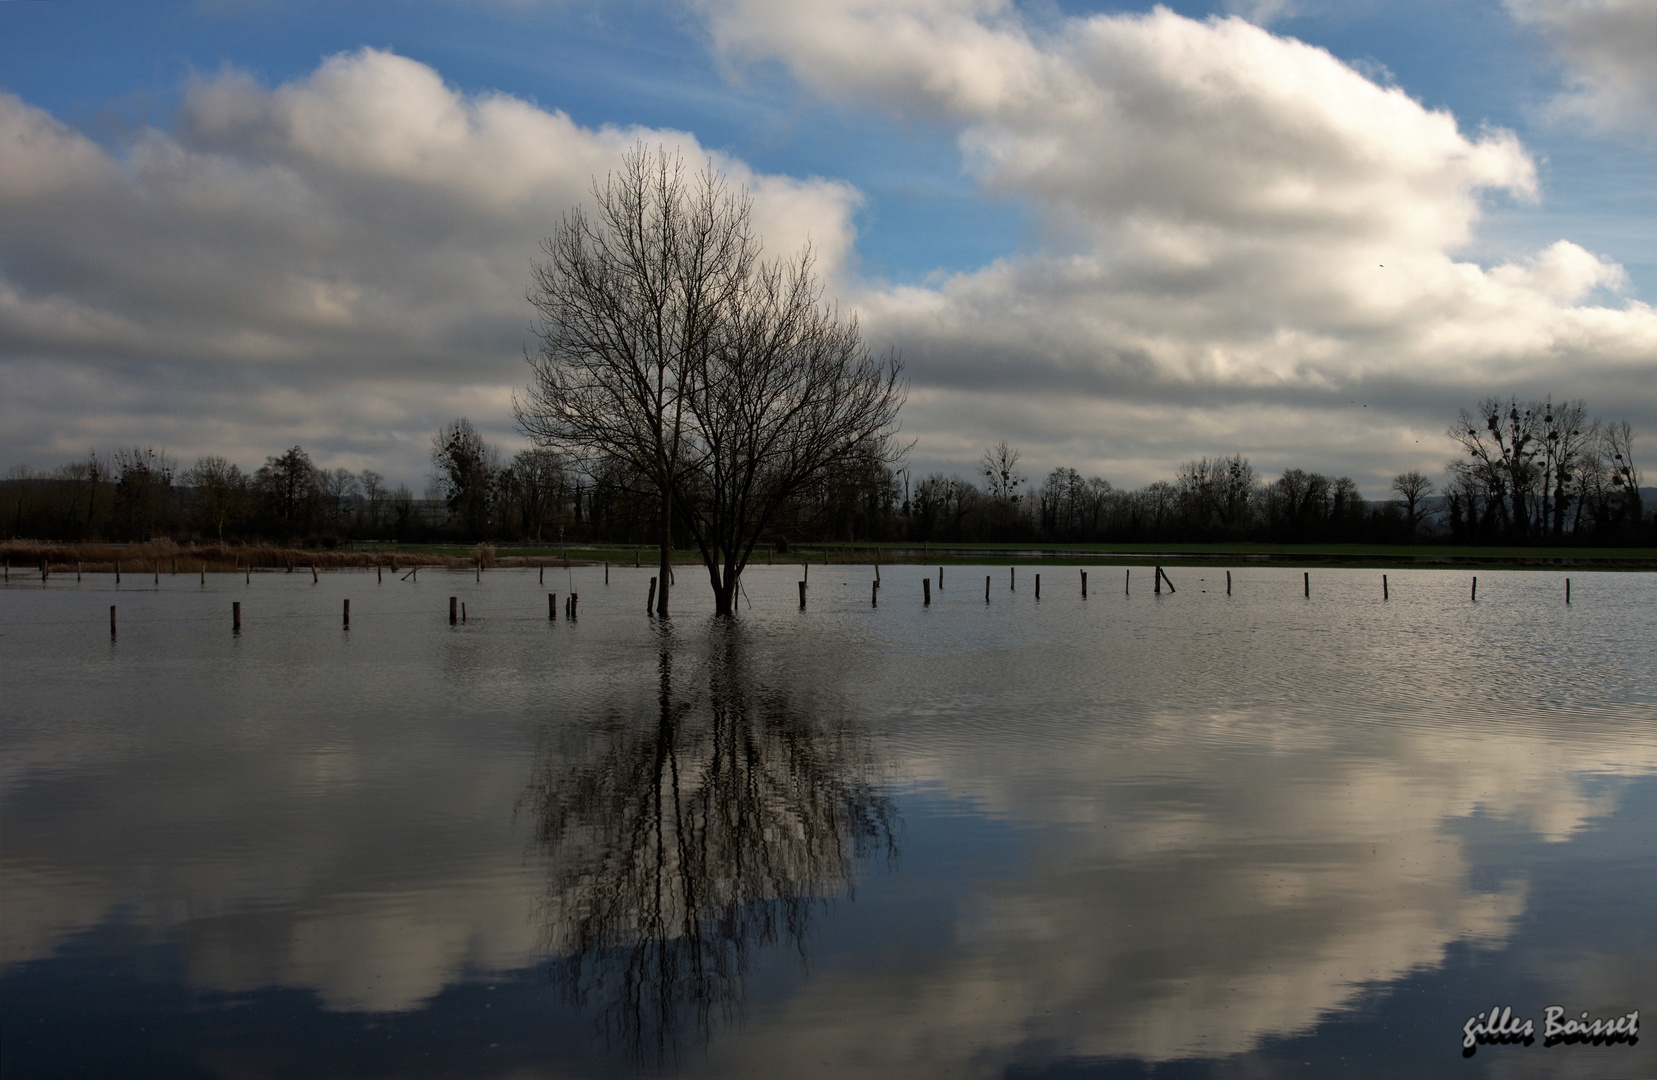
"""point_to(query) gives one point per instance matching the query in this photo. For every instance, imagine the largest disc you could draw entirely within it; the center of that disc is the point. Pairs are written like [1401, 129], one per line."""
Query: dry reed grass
[228, 558]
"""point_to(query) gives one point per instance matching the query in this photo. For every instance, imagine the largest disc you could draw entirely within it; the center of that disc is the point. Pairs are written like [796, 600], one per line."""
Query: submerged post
[926, 591]
[1084, 584]
[204, 573]
[117, 571]
[158, 571]
[1384, 594]
[1038, 586]
[940, 579]
[986, 588]
[314, 578]
[1156, 581]
[802, 595]
[575, 599]
[379, 575]
[77, 572]
[1474, 595]
[112, 622]
[874, 594]
[348, 614]
[552, 607]
[1012, 579]
[454, 608]
[1306, 583]
[249, 571]
[1228, 582]
[1567, 590]
[650, 604]
[606, 573]
[463, 611]
[543, 573]
[236, 617]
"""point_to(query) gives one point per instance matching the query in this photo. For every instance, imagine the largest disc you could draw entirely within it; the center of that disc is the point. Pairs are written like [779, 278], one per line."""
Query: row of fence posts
[1159, 579]
[457, 609]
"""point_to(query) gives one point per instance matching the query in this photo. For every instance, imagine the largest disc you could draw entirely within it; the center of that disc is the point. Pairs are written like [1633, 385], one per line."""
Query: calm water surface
[1133, 835]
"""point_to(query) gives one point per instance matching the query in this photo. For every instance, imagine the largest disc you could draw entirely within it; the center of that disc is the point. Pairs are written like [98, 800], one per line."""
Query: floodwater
[1185, 835]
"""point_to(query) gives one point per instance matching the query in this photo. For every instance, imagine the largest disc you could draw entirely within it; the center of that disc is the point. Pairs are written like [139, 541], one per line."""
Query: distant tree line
[1534, 472]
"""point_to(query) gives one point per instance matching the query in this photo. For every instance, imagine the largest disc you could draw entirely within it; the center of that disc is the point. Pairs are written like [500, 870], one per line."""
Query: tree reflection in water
[681, 837]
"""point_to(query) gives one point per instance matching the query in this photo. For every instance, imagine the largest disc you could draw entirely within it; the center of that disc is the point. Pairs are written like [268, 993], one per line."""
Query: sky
[1117, 236]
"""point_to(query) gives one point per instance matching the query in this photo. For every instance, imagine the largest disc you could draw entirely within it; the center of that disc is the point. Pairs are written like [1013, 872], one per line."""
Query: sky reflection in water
[1190, 834]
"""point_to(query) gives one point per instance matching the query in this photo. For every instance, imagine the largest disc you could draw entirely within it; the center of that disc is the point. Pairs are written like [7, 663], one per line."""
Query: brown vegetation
[227, 558]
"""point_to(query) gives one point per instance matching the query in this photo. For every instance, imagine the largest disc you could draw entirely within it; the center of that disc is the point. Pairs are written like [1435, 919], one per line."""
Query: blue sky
[927, 224]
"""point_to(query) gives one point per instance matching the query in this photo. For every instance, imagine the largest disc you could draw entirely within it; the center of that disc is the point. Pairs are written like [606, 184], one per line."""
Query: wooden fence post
[926, 591]
[236, 617]
[454, 609]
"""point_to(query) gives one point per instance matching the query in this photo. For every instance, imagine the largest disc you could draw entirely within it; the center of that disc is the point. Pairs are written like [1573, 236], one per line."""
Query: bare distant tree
[220, 492]
[1611, 482]
[336, 487]
[375, 494]
[999, 467]
[1567, 438]
[536, 484]
[629, 302]
[1413, 487]
[143, 494]
[1502, 442]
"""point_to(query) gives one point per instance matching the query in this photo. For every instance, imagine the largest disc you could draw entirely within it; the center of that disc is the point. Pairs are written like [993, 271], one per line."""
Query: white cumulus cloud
[1232, 222]
[339, 261]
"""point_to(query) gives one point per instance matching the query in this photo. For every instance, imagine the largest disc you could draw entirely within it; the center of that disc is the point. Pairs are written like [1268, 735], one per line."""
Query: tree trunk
[666, 571]
[724, 596]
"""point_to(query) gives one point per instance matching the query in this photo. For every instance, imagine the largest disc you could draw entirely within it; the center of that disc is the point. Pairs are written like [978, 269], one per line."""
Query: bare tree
[336, 488]
[999, 467]
[628, 303]
[788, 392]
[536, 483]
[220, 492]
[1503, 442]
[375, 494]
[1413, 487]
[1567, 437]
